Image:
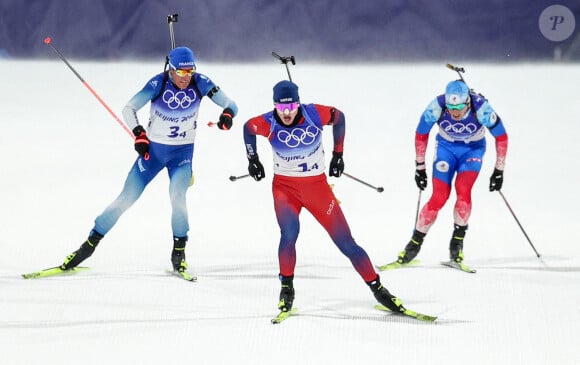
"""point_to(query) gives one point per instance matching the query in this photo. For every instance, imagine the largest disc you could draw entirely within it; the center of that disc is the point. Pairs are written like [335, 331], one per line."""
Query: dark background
[248, 31]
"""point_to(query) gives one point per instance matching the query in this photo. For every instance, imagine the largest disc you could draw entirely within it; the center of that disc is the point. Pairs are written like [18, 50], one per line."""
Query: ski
[283, 315]
[459, 266]
[408, 313]
[397, 265]
[183, 275]
[53, 271]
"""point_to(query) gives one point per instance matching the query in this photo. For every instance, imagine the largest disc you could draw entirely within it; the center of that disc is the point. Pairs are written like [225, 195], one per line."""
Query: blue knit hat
[181, 57]
[286, 92]
[456, 92]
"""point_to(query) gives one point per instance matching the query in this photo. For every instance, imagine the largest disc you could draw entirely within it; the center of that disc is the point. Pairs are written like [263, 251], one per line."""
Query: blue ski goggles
[456, 106]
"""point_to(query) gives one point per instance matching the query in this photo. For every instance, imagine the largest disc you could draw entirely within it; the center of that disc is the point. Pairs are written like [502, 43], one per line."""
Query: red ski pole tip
[47, 40]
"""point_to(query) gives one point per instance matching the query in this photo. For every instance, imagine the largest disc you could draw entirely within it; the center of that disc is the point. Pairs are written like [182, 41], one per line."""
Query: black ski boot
[286, 293]
[178, 254]
[383, 296]
[456, 244]
[412, 248]
[84, 252]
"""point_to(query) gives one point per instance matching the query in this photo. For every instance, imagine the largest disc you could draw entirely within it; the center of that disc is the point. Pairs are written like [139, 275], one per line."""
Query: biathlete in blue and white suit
[462, 117]
[168, 142]
[294, 131]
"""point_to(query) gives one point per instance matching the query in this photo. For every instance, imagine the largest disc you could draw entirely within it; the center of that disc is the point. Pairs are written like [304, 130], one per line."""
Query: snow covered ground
[64, 158]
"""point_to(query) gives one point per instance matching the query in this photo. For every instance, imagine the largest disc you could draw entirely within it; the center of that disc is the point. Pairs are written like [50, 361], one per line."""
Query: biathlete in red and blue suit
[294, 131]
[462, 116]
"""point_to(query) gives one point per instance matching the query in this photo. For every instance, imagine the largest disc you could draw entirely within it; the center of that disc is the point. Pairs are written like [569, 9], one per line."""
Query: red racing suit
[300, 181]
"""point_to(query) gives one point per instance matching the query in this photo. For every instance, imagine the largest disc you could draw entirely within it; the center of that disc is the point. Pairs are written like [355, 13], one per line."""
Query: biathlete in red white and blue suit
[462, 117]
[294, 131]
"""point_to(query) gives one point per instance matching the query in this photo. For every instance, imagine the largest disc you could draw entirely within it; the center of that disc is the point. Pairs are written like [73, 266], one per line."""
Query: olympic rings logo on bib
[298, 136]
[447, 126]
[178, 99]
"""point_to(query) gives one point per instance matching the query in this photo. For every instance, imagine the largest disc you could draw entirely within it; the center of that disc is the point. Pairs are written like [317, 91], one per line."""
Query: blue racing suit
[171, 131]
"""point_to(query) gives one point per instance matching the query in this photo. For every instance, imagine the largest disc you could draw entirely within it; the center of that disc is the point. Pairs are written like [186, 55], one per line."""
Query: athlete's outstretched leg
[323, 205]
[429, 212]
[178, 184]
[287, 209]
[134, 185]
[462, 211]
[463, 186]
[179, 178]
[443, 171]
[132, 190]
[468, 169]
[339, 231]
[444, 168]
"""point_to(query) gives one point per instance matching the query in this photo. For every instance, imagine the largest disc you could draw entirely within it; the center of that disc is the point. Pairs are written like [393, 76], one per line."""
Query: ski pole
[418, 205]
[379, 189]
[518, 222]
[234, 178]
[284, 60]
[48, 41]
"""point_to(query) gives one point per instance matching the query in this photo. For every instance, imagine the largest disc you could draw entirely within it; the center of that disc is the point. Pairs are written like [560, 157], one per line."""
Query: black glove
[421, 178]
[226, 119]
[336, 164]
[256, 169]
[141, 142]
[496, 180]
